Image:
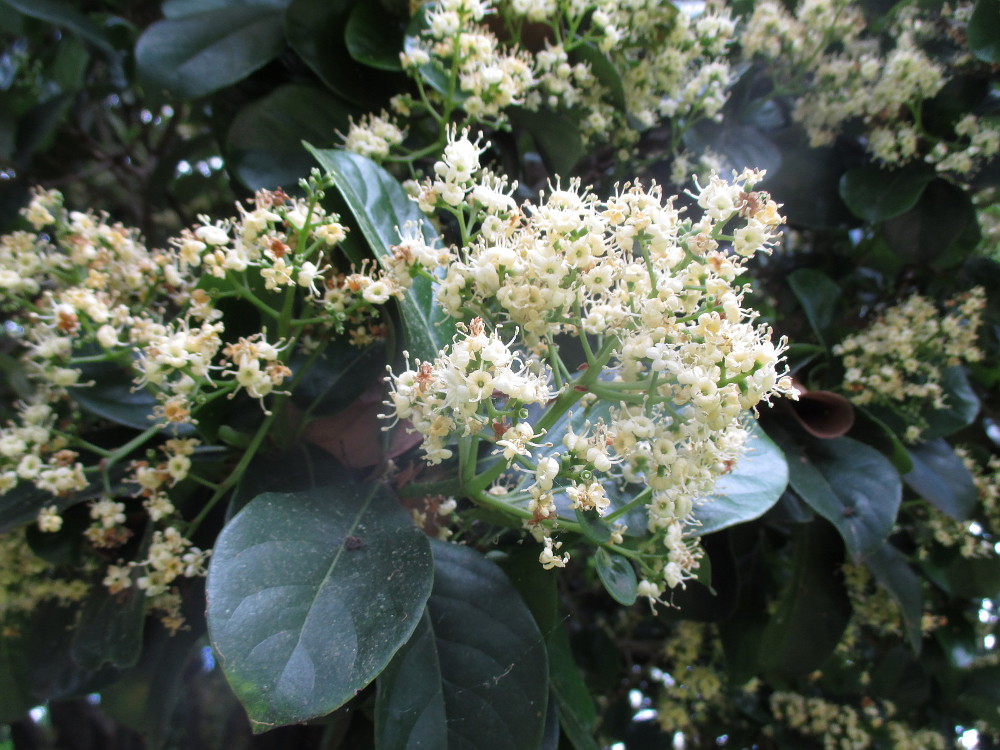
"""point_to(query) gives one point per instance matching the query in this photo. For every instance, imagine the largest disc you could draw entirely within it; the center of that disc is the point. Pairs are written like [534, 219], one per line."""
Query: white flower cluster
[836, 68]
[899, 360]
[490, 78]
[650, 295]
[81, 291]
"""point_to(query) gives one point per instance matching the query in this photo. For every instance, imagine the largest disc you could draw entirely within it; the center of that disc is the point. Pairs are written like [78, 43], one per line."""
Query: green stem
[446, 487]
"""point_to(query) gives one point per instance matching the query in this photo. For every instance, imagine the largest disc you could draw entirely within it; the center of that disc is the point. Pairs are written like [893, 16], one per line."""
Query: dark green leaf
[372, 38]
[315, 30]
[940, 478]
[813, 609]
[67, 17]
[747, 492]
[984, 31]
[145, 696]
[310, 594]
[266, 136]
[181, 8]
[556, 137]
[894, 574]
[577, 714]
[381, 207]
[806, 183]
[742, 145]
[195, 55]
[593, 527]
[818, 294]
[940, 230]
[21, 504]
[112, 397]
[109, 630]
[876, 194]
[879, 434]
[980, 694]
[604, 71]
[474, 675]
[617, 575]
[850, 484]
[341, 374]
[962, 405]
[35, 662]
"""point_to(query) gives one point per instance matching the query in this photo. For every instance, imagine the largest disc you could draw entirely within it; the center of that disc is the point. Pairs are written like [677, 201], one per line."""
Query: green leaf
[742, 145]
[556, 137]
[813, 608]
[112, 397]
[818, 294]
[592, 526]
[806, 182]
[339, 375]
[617, 575]
[145, 697]
[315, 30]
[310, 594]
[577, 714]
[181, 8]
[940, 477]
[603, 70]
[192, 56]
[265, 138]
[748, 491]
[876, 194]
[980, 694]
[850, 484]
[67, 17]
[110, 627]
[984, 31]
[474, 675]
[35, 661]
[894, 574]
[962, 405]
[371, 37]
[380, 206]
[940, 230]
[879, 434]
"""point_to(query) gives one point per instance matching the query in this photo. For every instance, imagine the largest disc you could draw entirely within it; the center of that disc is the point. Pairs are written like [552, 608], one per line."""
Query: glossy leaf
[65, 16]
[371, 37]
[380, 206]
[813, 608]
[604, 71]
[110, 627]
[984, 31]
[818, 294]
[577, 714]
[893, 573]
[940, 477]
[310, 594]
[878, 434]
[617, 575]
[875, 194]
[474, 675]
[747, 492]
[192, 56]
[592, 526]
[181, 8]
[741, 145]
[961, 405]
[112, 396]
[265, 138]
[315, 30]
[556, 137]
[940, 230]
[850, 484]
